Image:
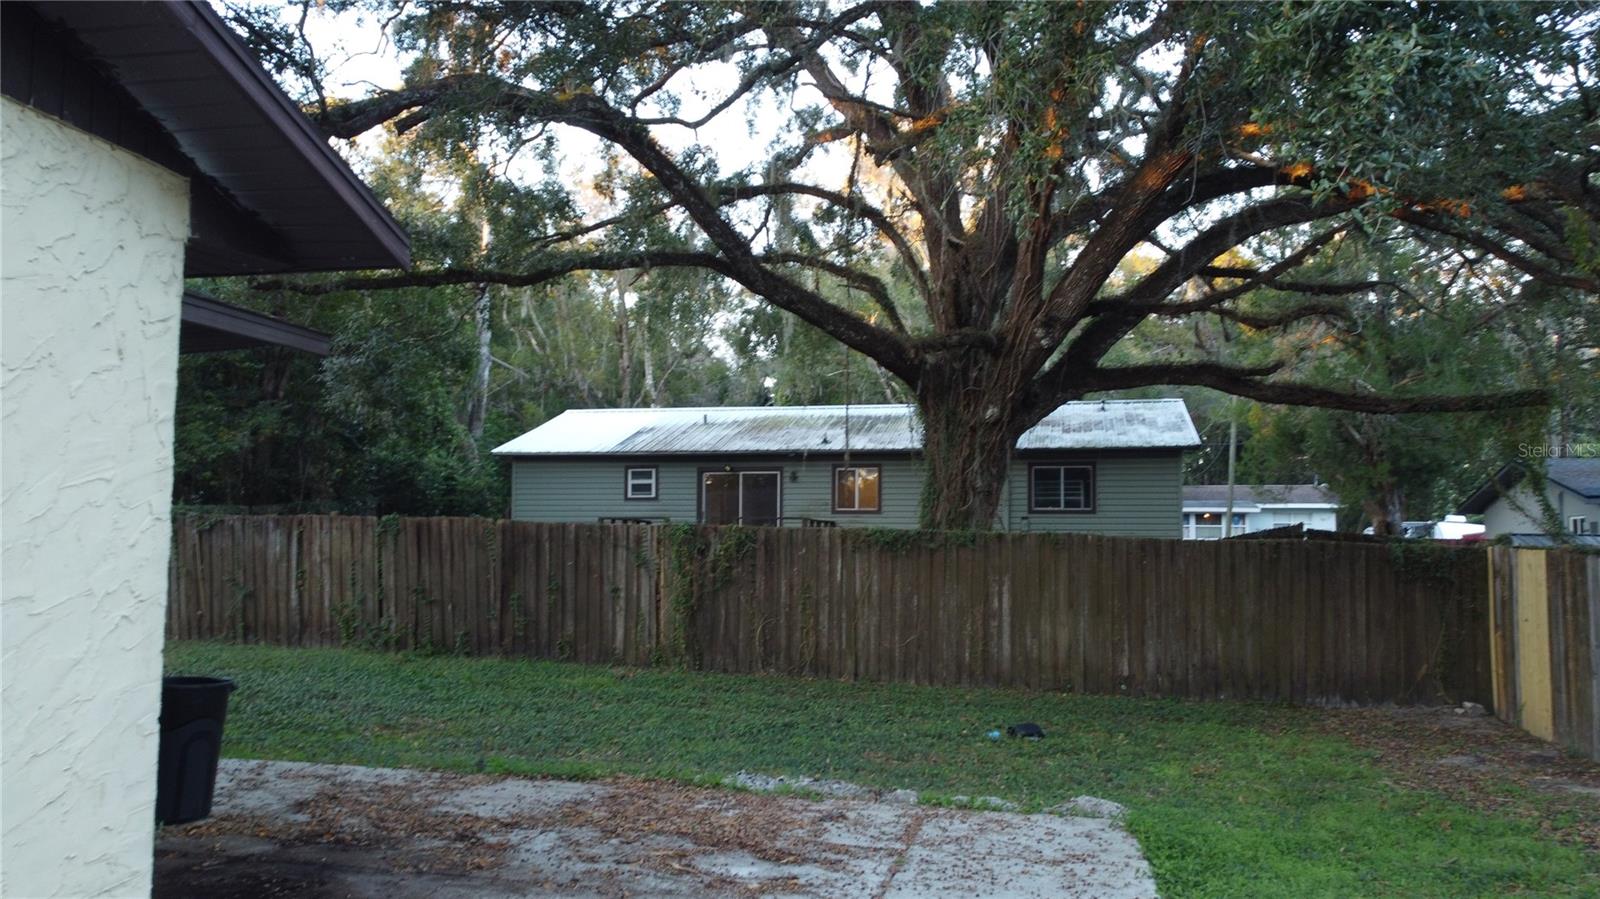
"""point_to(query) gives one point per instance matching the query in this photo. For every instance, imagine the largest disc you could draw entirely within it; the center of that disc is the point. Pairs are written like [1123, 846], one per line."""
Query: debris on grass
[1481, 762]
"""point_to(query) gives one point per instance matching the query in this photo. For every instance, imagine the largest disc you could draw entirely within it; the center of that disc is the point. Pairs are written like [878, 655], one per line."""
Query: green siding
[1136, 494]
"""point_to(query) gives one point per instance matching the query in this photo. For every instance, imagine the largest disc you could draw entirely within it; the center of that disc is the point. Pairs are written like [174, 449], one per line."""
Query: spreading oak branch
[1003, 299]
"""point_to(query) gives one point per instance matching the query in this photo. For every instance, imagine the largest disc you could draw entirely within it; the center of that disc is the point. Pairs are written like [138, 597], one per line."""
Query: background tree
[1011, 157]
[1432, 319]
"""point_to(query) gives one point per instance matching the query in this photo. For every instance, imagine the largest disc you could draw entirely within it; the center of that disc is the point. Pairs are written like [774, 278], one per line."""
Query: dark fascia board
[211, 325]
[230, 52]
[1503, 480]
[1507, 477]
[102, 27]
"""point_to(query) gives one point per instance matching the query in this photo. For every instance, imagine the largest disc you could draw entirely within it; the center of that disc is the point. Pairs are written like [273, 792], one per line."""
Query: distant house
[142, 144]
[1510, 506]
[1256, 507]
[1113, 467]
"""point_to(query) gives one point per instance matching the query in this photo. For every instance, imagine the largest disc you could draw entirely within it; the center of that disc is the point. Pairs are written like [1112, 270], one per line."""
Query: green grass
[1227, 799]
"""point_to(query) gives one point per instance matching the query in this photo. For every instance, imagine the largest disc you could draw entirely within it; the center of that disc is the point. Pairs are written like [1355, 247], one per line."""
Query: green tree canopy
[977, 175]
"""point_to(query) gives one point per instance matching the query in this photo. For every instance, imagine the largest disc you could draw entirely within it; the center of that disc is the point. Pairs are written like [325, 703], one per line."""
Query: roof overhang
[1496, 487]
[279, 199]
[212, 326]
[1074, 429]
[1298, 505]
[1510, 475]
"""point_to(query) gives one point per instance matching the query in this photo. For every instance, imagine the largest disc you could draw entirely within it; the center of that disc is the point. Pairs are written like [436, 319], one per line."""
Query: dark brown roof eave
[166, 56]
[211, 326]
[230, 52]
[1481, 499]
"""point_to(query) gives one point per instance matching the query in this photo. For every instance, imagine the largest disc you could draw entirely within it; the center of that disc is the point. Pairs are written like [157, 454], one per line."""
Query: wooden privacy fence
[1307, 622]
[1545, 644]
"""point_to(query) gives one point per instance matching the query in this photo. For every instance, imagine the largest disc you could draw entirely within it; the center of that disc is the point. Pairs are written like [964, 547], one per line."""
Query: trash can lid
[189, 682]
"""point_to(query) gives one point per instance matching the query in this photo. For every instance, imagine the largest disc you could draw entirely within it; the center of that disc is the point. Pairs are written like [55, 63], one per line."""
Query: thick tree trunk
[969, 432]
[1386, 511]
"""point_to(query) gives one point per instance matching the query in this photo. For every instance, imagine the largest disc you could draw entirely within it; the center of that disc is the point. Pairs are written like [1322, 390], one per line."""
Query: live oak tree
[1009, 158]
[1439, 323]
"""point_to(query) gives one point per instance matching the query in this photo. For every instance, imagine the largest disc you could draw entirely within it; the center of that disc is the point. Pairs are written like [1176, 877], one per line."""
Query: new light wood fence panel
[1545, 643]
[1309, 622]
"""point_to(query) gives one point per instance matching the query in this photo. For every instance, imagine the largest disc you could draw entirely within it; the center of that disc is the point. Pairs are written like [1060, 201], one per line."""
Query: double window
[1054, 487]
[640, 483]
[856, 488]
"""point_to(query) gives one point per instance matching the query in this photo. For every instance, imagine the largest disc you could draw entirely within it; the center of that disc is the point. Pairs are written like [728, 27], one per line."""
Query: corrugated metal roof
[1113, 424]
[1216, 495]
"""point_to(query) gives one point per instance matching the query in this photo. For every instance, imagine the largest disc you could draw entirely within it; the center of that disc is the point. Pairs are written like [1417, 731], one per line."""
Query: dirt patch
[1481, 762]
[181, 875]
[404, 827]
[709, 822]
[380, 818]
[289, 828]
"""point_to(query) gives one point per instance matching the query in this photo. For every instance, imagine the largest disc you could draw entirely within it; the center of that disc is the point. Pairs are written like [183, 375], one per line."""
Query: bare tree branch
[1105, 330]
[771, 68]
[874, 288]
[602, 262]
[1434, 221]
[1250, 382]
[851, 204]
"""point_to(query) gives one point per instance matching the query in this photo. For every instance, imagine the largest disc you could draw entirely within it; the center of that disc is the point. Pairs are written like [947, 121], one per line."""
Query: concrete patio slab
[284, 828]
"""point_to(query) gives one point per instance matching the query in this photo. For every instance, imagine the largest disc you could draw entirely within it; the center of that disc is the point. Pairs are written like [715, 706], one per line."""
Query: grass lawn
[1228, 799]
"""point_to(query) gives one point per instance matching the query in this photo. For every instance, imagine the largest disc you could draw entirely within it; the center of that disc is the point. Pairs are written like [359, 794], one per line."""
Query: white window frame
[629, 482]
[1090, 495]
[840, 469]
[1578, 524]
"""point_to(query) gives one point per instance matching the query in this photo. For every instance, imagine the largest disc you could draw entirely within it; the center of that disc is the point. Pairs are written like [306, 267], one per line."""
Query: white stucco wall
[91, 264]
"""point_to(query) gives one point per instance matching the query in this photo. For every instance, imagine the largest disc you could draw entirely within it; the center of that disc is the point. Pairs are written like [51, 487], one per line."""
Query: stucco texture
[91, 263]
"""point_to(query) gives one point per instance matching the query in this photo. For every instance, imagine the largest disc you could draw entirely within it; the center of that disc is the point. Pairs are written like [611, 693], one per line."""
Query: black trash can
[192, 712]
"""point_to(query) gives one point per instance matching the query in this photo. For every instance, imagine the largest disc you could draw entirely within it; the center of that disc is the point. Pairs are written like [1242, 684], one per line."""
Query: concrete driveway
[282, 828]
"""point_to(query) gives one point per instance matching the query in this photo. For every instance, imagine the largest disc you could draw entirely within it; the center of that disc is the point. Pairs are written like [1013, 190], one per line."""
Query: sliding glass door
[740, 497]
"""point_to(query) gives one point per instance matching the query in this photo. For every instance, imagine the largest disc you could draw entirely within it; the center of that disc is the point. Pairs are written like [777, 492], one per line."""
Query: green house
[1111, 467]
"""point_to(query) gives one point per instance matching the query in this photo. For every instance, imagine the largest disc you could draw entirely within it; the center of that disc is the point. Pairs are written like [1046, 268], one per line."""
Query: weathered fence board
[1545, 643]
[1308, 622]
